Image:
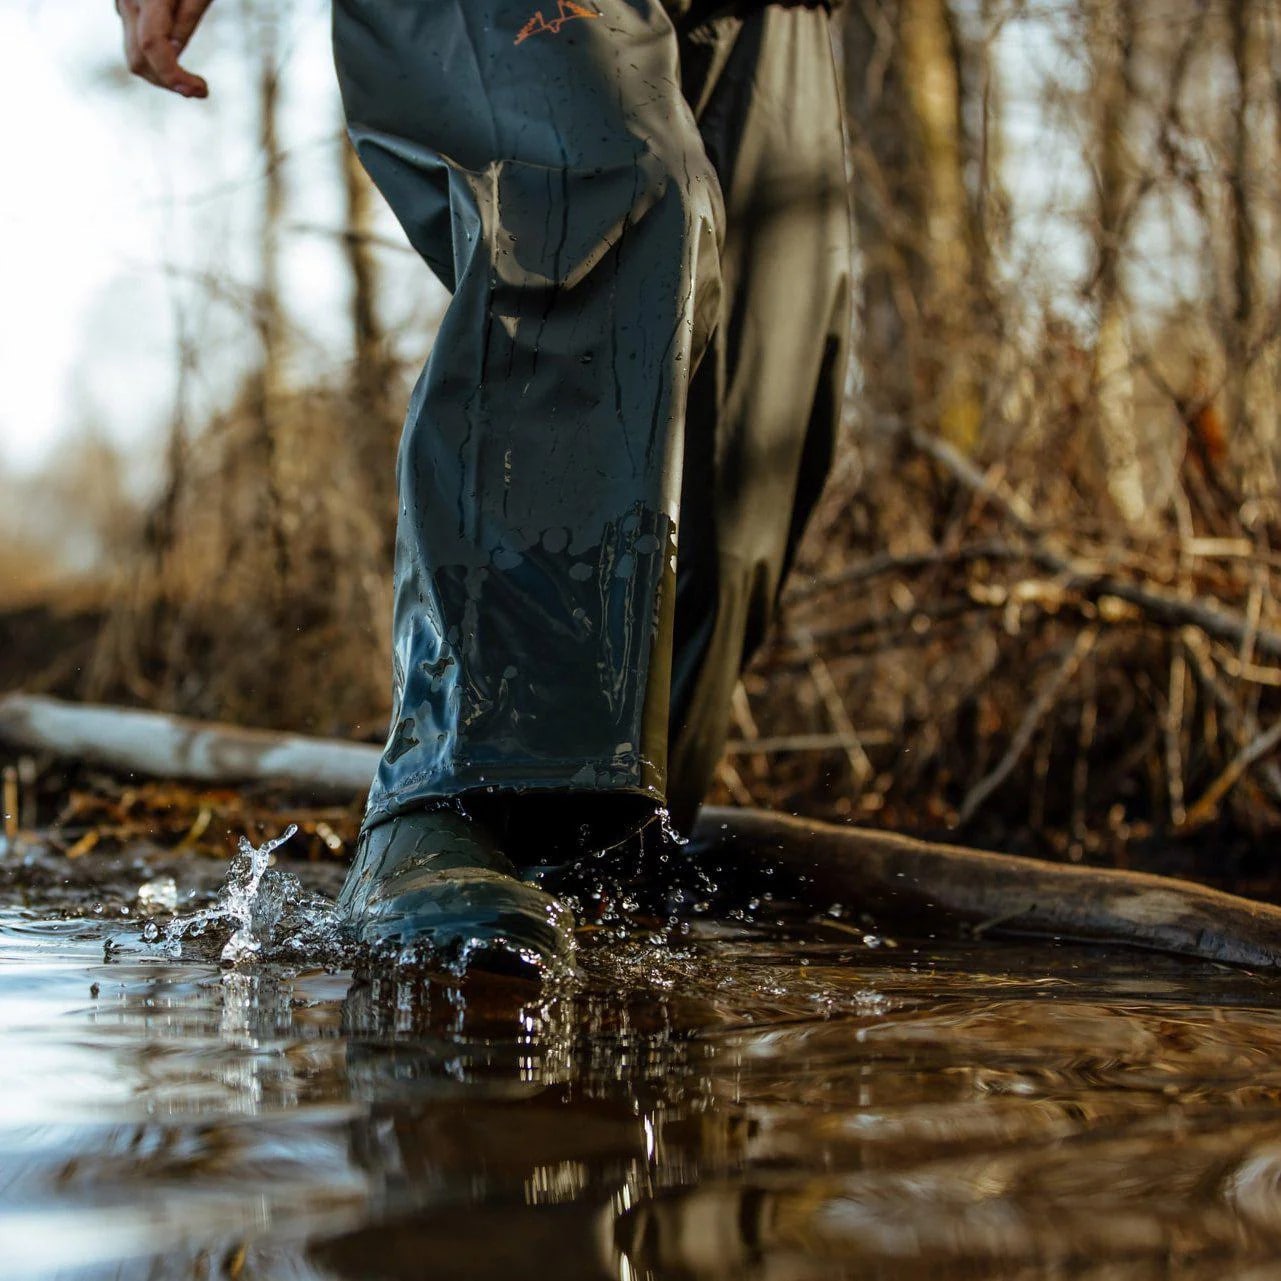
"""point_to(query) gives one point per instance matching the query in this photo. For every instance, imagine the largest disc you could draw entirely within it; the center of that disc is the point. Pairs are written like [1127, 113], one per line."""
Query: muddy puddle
[774, 1100]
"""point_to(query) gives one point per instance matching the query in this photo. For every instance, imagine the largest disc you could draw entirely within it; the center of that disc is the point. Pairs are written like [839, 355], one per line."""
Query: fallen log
[897, 880]
[166, 746]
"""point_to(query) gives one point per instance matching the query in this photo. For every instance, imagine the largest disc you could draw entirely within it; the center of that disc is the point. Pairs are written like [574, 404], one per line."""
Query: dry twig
[1041, 705]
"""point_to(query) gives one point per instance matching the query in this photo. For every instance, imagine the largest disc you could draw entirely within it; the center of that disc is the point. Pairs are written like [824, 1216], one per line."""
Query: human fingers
[129, 11]
[155, 35]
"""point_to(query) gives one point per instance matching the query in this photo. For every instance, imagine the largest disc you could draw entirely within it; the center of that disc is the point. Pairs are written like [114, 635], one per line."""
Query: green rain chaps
[641, 214]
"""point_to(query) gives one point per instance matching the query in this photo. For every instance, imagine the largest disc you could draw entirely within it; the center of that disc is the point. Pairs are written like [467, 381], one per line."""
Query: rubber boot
[438, 877]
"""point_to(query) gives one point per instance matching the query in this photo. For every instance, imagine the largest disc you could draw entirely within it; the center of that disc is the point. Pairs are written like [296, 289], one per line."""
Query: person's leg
[542, 157]
[547, 166]
[765, 403]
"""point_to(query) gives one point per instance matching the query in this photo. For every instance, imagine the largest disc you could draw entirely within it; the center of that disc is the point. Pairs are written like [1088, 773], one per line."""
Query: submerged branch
[899, 880]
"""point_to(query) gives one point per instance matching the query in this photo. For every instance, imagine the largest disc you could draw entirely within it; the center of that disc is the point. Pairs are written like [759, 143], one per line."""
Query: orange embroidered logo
[566, 11]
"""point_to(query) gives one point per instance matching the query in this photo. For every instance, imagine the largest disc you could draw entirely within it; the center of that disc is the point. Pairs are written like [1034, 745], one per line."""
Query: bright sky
[117, 195]
[64, 159]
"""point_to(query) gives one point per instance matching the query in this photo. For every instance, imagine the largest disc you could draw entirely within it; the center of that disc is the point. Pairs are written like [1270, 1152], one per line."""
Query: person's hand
[156, 33]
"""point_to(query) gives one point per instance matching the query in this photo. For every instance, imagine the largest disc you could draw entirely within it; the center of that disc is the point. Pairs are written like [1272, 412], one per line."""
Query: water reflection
[738, 1106]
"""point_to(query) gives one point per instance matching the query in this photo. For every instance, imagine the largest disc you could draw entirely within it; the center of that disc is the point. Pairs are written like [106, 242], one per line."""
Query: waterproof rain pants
[630, 406]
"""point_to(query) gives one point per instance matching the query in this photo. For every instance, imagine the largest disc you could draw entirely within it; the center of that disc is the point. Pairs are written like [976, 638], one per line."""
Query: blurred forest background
[1038, 608]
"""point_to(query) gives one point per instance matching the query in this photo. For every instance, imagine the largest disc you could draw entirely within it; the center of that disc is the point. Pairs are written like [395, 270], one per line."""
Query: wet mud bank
[932, 888]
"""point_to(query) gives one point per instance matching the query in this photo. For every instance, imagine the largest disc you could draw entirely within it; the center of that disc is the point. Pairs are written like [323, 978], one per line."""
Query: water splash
[263, 912]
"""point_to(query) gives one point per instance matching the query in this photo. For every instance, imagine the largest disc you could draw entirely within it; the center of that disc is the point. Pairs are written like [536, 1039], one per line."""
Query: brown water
[740, 1103]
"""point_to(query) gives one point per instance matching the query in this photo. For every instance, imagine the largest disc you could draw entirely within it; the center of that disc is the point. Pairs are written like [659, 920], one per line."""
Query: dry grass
[261, 593]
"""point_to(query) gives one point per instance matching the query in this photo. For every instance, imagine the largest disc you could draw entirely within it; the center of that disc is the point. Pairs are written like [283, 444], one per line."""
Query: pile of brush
[984, 650]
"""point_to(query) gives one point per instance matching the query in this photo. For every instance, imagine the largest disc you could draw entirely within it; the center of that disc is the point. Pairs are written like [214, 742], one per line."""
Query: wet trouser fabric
[630, 405]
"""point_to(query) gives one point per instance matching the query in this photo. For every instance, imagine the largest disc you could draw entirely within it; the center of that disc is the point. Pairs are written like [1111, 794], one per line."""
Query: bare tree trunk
[915, 216]
[932, 76]
[1111, 30]
[1252, 401]
[992, 199]
[885, 212]
[372, 372]
[266, 382]
[369, 341]
[270, 311]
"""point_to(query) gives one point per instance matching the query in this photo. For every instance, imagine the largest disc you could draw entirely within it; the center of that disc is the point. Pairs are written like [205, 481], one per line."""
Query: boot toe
[471, 920]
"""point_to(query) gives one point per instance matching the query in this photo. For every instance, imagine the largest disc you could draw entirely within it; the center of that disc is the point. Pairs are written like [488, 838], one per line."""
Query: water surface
[749, 1102]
